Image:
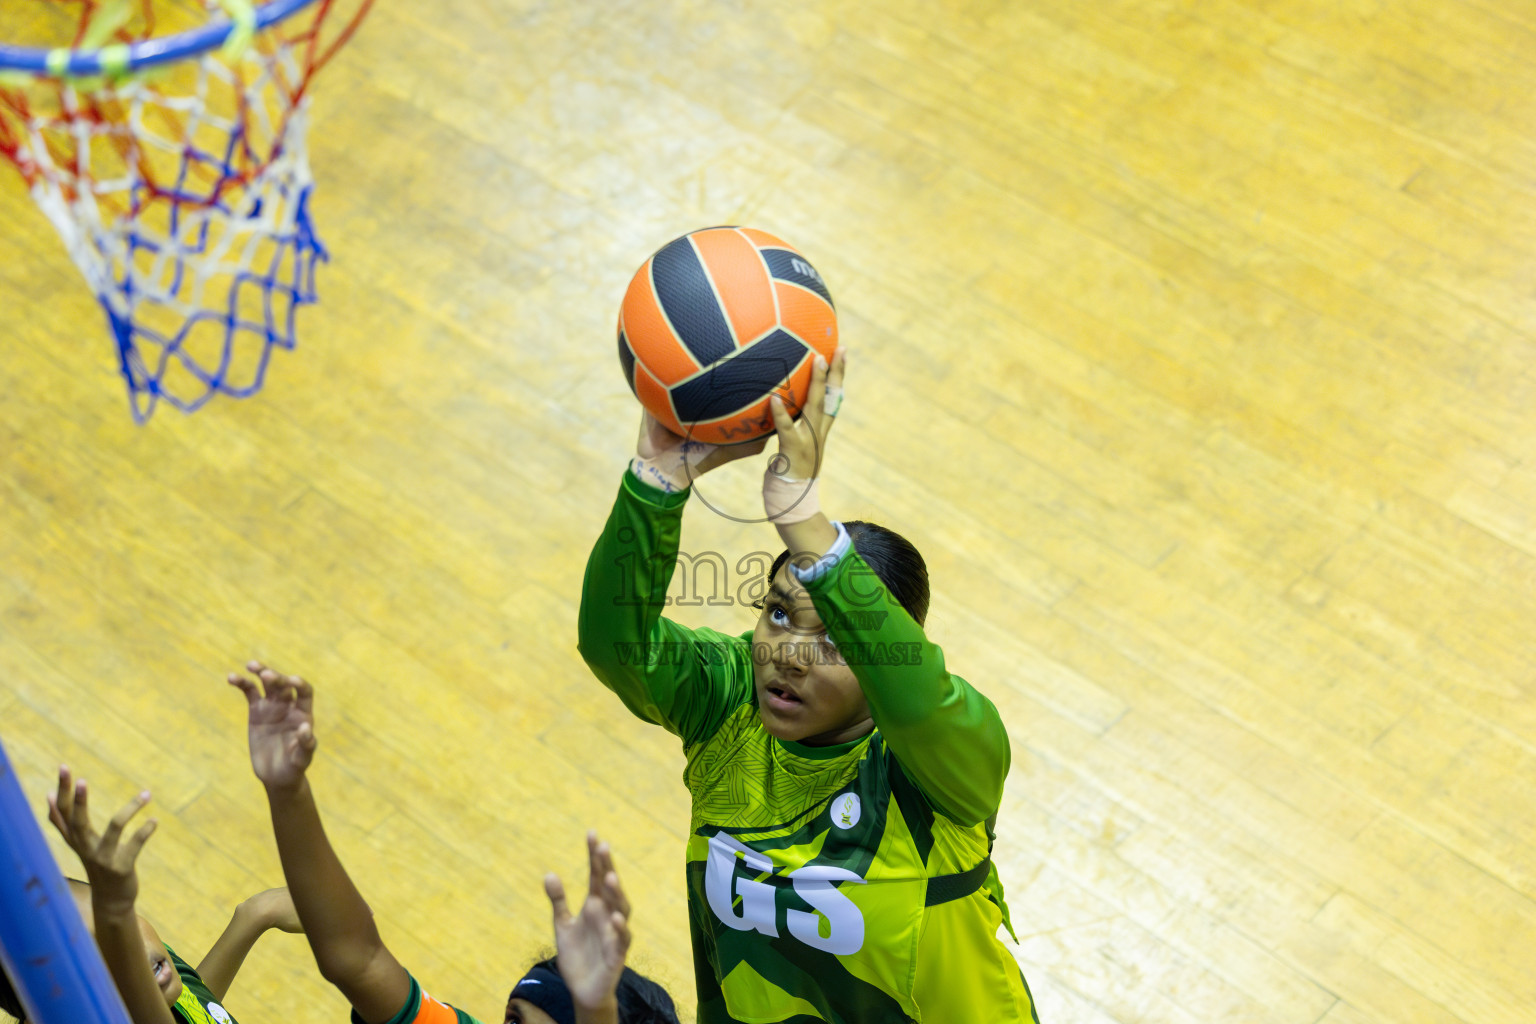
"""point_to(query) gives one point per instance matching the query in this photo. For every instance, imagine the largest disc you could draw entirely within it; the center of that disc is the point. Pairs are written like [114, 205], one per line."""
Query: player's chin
[779, 728]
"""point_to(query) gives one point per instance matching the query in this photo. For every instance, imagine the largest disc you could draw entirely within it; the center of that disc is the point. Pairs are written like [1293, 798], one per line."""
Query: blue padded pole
[49, 956]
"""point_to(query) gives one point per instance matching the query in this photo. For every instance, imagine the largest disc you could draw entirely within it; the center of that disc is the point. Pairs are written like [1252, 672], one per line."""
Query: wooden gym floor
[1192, 343]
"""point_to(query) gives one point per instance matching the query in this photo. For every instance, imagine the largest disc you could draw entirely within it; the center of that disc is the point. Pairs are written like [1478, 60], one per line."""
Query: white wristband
[826, 562]
[789, 501]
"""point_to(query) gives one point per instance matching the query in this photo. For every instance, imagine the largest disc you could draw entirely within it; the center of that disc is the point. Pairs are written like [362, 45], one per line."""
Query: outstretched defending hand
[108, 859]
[282, 725]
[590, 946]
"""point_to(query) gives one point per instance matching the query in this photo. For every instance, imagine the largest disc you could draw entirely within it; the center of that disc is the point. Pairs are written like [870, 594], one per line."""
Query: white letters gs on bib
[813, 883]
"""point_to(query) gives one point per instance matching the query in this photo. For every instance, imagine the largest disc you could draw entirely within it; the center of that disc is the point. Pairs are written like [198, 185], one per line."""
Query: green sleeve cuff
[645, 492]
[826, 562]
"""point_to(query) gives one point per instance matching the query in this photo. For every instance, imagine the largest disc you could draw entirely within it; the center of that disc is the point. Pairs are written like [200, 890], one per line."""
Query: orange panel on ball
[808, 316]
[655, 399]
[738, 274]
[794, 390]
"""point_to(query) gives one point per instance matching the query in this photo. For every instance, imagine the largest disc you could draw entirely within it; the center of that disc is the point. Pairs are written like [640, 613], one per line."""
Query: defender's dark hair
[641, 1000]
[894, 560]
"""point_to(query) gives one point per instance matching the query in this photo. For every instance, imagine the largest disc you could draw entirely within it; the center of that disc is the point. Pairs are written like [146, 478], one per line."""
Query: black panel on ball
[739, 382]
[627, 361]
[794, 268]
[689, 302]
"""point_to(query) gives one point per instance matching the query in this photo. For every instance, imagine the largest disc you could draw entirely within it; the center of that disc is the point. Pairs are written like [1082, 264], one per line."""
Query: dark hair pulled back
[893, 558]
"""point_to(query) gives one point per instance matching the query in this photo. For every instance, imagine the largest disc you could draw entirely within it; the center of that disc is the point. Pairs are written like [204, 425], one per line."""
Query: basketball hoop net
[177, 175]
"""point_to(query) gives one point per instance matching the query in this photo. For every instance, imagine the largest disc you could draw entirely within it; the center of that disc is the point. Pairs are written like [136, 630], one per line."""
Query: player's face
[160, 964]
[521, 1011]
[805, 691]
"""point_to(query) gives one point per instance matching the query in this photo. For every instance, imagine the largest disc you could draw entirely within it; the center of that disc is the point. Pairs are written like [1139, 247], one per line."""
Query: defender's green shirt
[808, 868]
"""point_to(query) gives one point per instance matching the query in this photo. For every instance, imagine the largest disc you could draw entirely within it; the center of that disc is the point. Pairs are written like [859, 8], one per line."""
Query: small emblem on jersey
[219, 1014]
[845, 810]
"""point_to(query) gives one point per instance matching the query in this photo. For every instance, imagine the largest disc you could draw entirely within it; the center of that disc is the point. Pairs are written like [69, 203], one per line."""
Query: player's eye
[777, 615]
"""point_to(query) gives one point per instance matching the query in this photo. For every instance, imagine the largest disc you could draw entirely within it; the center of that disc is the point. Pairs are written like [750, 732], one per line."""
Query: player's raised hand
[108, 858]
[803, 441]
[591, 945]
[282, 724]
[671, 461]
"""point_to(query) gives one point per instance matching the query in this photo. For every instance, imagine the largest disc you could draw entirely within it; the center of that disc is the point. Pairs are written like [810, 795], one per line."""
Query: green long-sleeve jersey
[846, 884]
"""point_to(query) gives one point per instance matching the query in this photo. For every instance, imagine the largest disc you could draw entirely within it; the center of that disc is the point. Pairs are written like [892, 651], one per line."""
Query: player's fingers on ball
[781, 418]
[818, 388]
[835, 377]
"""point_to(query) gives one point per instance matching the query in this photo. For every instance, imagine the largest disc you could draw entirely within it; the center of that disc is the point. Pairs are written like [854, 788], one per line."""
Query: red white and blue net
[181, 186]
